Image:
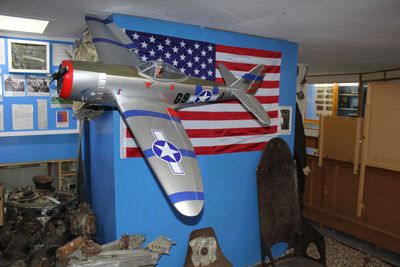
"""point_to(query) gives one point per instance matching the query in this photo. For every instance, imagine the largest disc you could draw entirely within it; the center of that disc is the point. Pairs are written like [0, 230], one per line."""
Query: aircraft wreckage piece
[126, 251]
[147, 95]
[203, 250]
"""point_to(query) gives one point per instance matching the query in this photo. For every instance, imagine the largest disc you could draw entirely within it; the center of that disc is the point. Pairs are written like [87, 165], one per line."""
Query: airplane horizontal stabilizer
[228, 77]
[252, 104]
[251, 81]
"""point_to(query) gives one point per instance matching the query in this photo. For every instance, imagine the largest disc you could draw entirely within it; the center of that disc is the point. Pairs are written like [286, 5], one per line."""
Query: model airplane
[147, 95]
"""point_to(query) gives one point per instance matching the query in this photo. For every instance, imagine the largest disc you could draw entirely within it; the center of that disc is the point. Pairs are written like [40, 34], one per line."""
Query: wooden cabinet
[331, 199]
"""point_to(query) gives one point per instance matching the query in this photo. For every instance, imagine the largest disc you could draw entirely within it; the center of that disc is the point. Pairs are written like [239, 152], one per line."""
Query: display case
[347, 100]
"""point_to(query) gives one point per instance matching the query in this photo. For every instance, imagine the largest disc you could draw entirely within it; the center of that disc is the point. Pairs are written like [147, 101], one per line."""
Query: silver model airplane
[147, 95]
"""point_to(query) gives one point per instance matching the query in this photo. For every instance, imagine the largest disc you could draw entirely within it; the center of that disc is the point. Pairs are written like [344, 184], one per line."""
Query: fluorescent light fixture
[9, 23]
[348, 84]
[323, 84]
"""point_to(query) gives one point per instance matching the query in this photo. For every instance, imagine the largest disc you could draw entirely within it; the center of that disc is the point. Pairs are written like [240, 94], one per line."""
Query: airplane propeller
[58, 76]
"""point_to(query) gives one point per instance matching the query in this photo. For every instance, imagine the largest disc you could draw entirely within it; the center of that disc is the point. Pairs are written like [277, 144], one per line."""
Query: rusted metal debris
[127, 251]
[38, 221]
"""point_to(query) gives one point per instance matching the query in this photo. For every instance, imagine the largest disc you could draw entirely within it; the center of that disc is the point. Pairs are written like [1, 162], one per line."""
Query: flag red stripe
[199, 133]
[233, 66]
[261, 99]
[248, 51]
[205, 150]
[210, 116]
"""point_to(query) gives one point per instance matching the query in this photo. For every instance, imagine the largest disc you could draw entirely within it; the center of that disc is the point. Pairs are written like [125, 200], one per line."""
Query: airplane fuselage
[98, 83]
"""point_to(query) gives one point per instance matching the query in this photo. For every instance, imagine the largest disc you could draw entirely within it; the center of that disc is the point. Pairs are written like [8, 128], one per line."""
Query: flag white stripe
[267, 77]
[221, 56]
[223, 124]
[228, 108]
[268, 92]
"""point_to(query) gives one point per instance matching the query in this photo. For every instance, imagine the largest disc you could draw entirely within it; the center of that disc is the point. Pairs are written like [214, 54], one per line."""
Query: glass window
[161, 71]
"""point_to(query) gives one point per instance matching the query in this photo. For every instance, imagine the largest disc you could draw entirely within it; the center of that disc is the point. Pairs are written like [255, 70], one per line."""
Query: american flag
[217, 128]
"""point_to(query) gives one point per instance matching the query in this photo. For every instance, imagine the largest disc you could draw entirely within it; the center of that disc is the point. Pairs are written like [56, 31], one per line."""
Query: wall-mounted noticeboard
[29, 104]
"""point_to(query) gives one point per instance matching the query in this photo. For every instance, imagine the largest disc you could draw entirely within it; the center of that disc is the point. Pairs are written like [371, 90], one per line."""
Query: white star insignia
[167, 41]
[182, 43]
[144, 58]
[210, 73]
[160, 47]
[204, 97]
[196, 46]
[196, 71]
[175, 49]
[152, 53]
[189, 64]
[203, 77]
[203, 53]
[210, 48]
[189, 51]
[144, 45]
[203, 66]
[166, 150]
[196, 59]
[182, 69]
[152, 39]
[175, 63]
[182, 57]
[210, 60]
[167, 55]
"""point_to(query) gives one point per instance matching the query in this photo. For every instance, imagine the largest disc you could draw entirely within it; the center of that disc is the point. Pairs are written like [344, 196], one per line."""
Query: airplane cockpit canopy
[158, 70]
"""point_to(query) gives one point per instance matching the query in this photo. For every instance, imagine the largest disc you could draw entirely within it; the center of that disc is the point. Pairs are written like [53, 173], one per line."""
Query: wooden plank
[321, 141]
[339, 135]
[383, 93]
[357, 145]
[383, 139]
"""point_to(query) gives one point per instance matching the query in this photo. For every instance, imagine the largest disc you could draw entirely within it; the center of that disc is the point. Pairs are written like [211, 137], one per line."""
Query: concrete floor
[343, 250]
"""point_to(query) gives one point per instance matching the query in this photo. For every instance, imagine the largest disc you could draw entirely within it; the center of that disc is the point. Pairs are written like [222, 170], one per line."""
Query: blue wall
[140, 205]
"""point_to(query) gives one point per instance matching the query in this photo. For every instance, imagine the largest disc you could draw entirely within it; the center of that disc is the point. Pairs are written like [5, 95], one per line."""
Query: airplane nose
[190, 208]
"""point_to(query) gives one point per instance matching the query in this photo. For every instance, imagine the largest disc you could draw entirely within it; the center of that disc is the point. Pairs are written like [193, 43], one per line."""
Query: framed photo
[28, 56]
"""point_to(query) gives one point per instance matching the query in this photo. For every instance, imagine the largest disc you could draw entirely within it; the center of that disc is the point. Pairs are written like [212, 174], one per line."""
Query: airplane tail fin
[245, 88]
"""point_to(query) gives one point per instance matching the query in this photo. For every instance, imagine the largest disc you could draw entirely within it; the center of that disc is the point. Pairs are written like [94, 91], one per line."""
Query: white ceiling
[334, 36]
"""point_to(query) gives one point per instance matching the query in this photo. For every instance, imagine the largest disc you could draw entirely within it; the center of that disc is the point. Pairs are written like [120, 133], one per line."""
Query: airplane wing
[165, 144]
[112, 45]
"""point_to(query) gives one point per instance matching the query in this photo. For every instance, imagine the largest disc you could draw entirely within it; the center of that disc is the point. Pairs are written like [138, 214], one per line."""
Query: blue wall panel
[229, 179]
[38, 148]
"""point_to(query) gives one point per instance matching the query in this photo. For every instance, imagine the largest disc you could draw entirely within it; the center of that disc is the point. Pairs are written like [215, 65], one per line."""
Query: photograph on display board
[37, 86]
[62, 119]
[14, 85]
[285, 120]
[28, 56]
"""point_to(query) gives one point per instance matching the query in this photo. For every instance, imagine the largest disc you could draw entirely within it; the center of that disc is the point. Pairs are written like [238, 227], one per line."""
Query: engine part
[82, 221]
[204, 250]
[43, 183]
